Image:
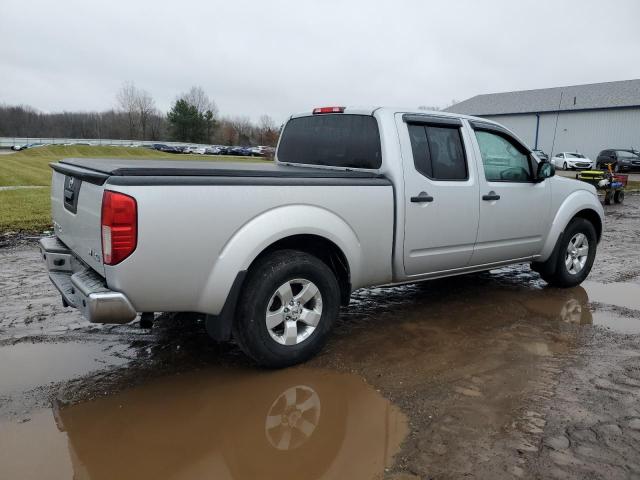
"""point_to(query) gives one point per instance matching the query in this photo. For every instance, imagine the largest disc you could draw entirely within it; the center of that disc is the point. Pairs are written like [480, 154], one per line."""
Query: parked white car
[357, 197]
[571, 161]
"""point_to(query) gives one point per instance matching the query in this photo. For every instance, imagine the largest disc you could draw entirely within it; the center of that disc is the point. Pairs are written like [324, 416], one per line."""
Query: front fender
[267, 228]
[574, 203]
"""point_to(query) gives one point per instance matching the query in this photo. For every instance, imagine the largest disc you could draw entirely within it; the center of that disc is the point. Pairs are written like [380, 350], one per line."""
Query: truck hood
[569, 185]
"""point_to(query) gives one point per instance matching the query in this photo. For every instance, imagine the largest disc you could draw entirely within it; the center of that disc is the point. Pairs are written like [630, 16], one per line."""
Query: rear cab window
[334, 140]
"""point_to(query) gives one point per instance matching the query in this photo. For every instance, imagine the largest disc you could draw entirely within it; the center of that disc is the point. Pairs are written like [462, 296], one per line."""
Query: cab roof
[371, 110]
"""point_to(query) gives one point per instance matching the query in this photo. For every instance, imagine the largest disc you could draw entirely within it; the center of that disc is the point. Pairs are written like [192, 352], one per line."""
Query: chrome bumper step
[82, 288]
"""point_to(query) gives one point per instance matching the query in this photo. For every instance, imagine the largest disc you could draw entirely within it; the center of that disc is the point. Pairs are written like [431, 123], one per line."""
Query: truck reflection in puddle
[299, 423]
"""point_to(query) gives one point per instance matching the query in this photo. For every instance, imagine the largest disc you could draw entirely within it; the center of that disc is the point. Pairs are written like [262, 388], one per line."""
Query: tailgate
[76, 204]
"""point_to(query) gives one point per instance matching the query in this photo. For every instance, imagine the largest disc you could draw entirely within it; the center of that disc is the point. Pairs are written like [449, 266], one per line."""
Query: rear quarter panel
[193, 240]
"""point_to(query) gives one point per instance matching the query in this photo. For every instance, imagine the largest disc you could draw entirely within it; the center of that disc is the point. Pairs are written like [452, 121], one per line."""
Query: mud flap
[219, 326]
[548, 267]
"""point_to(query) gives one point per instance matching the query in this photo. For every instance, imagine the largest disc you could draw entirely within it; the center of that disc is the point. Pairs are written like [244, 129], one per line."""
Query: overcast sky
[279, 57]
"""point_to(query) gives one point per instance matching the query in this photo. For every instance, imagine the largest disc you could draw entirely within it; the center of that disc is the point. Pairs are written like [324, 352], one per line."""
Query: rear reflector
[318, 110]
[119, 226]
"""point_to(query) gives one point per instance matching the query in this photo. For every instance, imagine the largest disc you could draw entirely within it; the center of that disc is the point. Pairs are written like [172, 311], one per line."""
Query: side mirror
[545, 170]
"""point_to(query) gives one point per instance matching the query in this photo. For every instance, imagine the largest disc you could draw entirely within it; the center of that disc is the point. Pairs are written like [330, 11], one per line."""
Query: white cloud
[282, 56]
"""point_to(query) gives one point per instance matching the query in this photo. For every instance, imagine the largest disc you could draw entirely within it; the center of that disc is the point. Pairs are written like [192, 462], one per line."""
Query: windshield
[625, 154]
[337, 140]
[574, 155]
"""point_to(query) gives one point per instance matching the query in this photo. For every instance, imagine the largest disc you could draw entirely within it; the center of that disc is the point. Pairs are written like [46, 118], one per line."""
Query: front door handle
[491, 196]
[422, 198]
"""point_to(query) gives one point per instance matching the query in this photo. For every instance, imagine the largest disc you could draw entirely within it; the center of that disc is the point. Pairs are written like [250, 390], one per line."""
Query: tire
[608, 197]
[555, 271]
[290, 341]
[616, 168]
[564, 166]
[618, 197]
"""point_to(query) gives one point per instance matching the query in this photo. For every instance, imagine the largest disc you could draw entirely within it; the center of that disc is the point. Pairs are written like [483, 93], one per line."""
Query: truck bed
[199, 223]
[98, 170]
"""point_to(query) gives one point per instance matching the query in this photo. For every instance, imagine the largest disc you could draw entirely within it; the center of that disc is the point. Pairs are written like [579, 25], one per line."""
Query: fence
[6, 142]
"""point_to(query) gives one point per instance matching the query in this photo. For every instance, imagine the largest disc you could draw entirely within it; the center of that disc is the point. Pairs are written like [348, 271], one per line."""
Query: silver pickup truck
[355, 198]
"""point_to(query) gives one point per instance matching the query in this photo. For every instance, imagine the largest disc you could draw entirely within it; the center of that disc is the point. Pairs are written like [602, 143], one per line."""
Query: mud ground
[491, 375]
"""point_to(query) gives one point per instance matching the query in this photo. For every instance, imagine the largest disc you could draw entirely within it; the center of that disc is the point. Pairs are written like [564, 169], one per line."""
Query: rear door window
[336, 140]
[438, 152]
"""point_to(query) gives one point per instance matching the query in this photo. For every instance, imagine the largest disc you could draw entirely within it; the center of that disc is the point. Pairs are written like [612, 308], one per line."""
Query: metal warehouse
[583, 118]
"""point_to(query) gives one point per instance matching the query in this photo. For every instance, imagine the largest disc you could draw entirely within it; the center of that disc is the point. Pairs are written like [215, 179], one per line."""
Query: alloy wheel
[577, 253]
[293, 312]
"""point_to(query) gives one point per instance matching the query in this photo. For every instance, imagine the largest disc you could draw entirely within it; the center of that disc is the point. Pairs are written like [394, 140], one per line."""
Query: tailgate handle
[68, 195]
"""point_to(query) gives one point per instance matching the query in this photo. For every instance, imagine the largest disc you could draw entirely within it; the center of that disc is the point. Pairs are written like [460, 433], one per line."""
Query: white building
[583, 118]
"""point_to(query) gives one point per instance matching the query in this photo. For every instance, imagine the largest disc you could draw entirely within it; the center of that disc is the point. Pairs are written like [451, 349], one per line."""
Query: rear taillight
[319, 110]
[119, 226]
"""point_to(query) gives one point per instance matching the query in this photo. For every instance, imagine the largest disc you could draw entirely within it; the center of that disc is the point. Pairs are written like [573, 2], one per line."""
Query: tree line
[193, 117]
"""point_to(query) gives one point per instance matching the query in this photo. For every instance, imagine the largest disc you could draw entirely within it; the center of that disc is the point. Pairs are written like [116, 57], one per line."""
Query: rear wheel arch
[323, 249]
[219, 326]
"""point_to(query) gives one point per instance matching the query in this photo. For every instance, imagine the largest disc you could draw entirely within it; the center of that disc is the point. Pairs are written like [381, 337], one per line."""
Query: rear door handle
[422, 199]
[491, 196]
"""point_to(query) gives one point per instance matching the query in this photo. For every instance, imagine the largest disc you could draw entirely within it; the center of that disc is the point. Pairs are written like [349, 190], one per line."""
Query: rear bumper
[81, 287]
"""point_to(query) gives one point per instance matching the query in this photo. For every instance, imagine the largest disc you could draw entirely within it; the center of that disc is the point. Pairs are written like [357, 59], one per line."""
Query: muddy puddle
[25, 366]
[215, 423]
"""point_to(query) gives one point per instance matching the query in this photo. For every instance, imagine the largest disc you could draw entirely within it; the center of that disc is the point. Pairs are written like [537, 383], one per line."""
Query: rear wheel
[572, 262]
[618, 197]
[285, 313]
[564, 166]
[608, 197]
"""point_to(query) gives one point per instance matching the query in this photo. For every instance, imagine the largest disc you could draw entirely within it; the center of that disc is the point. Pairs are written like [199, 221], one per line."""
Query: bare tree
[145, 106]
[267, 131]
[243, 129]
[157, 125]
[197, 97]
[127, 98]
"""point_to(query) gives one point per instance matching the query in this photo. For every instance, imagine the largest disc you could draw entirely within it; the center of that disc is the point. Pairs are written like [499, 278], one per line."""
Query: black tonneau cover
[157, 172]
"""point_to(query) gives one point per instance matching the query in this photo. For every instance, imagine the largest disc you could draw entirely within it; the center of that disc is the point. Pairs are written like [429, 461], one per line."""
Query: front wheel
[288, 306]
[576, 251]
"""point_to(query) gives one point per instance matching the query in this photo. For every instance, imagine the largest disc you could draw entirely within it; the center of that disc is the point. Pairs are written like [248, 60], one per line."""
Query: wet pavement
[492, 375]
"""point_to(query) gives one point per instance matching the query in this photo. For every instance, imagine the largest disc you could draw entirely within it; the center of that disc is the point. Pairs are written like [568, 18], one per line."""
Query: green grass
[31, 167]
[28, 210]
